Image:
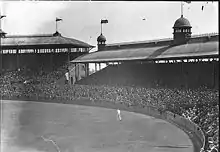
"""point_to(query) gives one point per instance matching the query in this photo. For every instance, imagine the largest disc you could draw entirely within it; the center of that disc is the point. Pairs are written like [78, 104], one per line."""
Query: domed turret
[101, 42]
[56, 34]
[182, 30]
[101, 38]
[182, 22]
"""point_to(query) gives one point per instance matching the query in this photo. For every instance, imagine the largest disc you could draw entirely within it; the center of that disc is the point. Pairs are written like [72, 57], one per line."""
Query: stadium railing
[180, 121]
[190, 126]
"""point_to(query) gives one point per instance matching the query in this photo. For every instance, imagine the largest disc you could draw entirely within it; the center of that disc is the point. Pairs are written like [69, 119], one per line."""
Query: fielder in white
[119, 114]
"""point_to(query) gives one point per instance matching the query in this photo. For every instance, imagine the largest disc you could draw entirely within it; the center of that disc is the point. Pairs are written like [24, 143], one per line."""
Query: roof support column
[68, 56]
[185, 75]
[216, 74]
[76, 72]
[51, 60]
[182, 74]
[87, 69]
[95, 67]
[213, 72]
[68, 62]
[99, 66]
[17, 58]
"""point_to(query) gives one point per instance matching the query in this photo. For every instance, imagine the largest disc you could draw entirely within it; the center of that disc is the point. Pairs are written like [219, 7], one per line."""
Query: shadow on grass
[26, 127]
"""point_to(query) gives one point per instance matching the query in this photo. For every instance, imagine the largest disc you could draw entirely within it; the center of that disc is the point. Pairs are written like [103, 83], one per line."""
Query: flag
[2, 16]
[58, 19]
[188, 2]
[104, 21]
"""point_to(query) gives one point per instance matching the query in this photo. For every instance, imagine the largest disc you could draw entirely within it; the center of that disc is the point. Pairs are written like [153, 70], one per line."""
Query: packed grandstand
[200, 105]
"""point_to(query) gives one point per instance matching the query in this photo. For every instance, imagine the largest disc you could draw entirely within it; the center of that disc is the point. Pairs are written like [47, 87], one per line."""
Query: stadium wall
[193, 131]
[188, 125]
[177, 75]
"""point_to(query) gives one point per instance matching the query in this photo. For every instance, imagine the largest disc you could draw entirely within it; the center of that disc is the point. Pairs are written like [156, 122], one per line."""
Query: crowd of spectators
[198, 105]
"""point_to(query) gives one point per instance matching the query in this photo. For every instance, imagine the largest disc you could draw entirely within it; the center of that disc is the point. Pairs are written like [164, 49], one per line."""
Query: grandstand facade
[185, 60]
[39, 52]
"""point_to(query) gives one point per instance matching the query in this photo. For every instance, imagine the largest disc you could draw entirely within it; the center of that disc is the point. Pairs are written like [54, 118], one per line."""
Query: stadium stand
[198, 105]
[186, 89]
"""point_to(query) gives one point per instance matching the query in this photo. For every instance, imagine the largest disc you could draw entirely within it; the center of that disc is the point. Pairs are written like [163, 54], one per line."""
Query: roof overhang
[41, 41]
[193, 50]
[116, 55]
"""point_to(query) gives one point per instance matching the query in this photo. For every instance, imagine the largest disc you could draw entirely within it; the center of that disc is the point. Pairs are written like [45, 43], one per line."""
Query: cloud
[25, 17]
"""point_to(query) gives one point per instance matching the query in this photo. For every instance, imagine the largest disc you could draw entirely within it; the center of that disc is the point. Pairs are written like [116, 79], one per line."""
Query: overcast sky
[81, 20]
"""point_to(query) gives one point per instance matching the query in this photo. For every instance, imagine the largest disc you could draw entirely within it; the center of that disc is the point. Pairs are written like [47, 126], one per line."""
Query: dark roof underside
[38, 40]
[152, 53]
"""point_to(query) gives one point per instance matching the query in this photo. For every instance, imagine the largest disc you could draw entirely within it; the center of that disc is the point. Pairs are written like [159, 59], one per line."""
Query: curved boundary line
[146, 110]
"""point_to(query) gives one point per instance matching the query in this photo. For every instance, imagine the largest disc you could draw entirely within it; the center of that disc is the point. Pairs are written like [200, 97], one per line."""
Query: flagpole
[56, 25]
[181, 8]
[101, 28]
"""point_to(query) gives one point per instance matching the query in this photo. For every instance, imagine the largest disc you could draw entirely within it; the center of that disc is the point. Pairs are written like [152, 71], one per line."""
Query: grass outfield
[28, 126]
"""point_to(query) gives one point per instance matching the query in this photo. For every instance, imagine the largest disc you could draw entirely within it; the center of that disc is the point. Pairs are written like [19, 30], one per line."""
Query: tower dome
[56, 34]
[182, 22]
[101, 38]
[101, 42]
[181, 30]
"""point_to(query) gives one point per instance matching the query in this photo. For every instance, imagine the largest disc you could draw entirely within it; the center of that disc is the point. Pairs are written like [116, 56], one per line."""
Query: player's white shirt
[119, 114]
[67, 76]
[118, 111]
